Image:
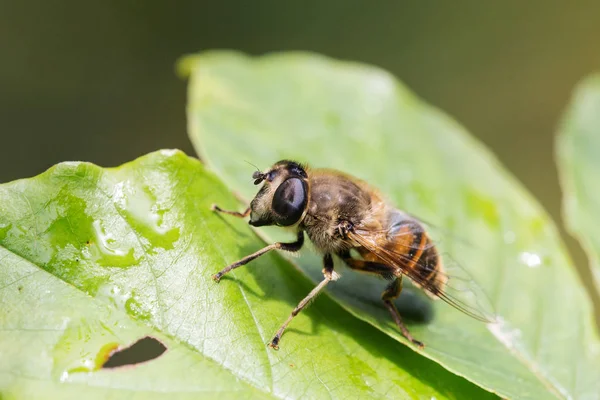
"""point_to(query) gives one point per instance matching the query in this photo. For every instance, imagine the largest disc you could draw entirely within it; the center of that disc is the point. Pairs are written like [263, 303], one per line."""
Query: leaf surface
[92, 258]
[361, 120]
[578, 149]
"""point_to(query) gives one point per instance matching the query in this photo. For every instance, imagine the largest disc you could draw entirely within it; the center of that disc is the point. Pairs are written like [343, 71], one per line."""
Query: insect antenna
[258, 176]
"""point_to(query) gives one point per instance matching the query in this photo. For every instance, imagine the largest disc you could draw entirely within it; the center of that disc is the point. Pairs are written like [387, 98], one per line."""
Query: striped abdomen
[411, 249]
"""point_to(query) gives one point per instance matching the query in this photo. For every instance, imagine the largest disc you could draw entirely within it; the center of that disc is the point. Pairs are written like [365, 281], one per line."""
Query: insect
[340, 214]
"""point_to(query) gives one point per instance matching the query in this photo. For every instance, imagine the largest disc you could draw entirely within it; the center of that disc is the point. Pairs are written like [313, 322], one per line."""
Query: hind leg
[389, 295]
[371, 267]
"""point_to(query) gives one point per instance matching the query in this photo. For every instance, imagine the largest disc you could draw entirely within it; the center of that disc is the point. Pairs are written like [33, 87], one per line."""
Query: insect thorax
[333, 199]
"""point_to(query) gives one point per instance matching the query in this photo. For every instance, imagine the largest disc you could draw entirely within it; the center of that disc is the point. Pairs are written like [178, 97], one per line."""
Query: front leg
[215, 207]
[291, 247]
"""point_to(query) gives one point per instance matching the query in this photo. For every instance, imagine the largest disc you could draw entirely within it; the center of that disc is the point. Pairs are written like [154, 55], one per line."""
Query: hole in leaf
[145, 349]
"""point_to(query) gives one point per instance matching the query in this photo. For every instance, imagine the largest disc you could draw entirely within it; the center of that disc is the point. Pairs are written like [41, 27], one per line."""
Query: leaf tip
[185, 65]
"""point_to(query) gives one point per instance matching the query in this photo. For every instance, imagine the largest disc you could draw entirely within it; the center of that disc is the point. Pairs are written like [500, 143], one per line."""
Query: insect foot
[343, 228]
[274, 344]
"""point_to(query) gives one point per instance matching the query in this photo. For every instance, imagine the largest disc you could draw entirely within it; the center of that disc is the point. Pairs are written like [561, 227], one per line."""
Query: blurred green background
[95, 81]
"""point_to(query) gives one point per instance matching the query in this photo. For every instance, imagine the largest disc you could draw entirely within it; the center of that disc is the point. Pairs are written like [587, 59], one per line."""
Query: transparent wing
[453, 284]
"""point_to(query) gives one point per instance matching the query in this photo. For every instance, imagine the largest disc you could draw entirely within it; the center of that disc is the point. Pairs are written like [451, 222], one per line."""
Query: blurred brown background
[95, 81]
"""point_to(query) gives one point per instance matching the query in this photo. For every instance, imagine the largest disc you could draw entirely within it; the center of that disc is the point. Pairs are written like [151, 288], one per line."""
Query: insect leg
[328, 277]
[215, 207]
[383, 270]
[292, 247]
[391, 293]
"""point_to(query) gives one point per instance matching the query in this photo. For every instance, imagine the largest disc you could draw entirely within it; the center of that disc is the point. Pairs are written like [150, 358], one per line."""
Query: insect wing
[453, 284]
[462, 291]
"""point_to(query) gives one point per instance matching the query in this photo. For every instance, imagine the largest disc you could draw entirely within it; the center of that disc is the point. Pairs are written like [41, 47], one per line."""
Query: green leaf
[54, 337]
[91, 258]
[361, 120]
[578, 150]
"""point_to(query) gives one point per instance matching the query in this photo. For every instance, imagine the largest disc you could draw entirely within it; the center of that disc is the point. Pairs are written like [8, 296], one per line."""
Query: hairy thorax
[333, 198]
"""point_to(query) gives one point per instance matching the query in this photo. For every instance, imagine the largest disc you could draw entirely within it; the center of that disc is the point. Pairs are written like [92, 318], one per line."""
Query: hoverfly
[340, 213]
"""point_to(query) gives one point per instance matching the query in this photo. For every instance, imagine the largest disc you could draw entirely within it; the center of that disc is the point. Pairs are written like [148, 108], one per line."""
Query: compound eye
[289, 201]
